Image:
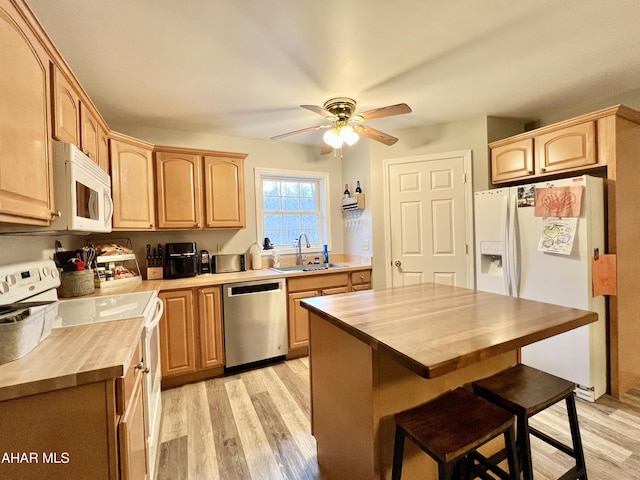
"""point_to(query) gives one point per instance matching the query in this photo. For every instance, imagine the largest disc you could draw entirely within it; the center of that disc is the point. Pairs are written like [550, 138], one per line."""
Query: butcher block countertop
[72, 356]
[435, 329]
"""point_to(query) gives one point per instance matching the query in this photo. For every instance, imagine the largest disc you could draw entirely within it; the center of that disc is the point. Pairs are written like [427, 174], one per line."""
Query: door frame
[468, 203]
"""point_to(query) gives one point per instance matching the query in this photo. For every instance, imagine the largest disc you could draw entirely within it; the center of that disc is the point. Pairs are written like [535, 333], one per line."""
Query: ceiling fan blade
[398, 109]
[302, 130]
[326, 149]
[318, 110]
[374, 134]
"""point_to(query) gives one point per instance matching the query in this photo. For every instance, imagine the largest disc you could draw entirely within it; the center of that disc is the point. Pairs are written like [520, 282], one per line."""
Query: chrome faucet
[300, 246]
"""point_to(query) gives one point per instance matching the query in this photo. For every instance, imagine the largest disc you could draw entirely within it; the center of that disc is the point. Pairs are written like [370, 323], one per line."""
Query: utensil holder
[76, 284]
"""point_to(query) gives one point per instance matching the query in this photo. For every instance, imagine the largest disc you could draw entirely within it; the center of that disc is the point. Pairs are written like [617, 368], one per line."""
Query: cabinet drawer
[317, 282]
[125, 385]
[358, 278]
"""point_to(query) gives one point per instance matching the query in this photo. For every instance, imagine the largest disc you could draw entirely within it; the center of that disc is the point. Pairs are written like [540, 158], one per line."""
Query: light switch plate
[365, 244]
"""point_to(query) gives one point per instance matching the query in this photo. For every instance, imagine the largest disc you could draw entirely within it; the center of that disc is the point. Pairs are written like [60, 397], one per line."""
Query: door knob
[398, 263]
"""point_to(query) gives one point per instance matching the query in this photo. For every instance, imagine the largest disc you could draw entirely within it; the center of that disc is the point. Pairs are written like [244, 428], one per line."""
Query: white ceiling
[243, 67]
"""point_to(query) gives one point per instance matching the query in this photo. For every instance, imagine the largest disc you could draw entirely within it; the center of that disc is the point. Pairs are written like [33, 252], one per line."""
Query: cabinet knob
[530, 172]
[201, 292]
[56, 214]
[543, 169]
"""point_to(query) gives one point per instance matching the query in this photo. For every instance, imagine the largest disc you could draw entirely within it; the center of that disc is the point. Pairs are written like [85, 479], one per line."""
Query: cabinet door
[103, 152]
[89, 133]
[132, 438]
[299, 319]
[567, 149]
[66, 113]
[177, 333]
[513, 161]
[210, 321]
[132, 186]
[26, 185]
[224, 192]
[179, 190]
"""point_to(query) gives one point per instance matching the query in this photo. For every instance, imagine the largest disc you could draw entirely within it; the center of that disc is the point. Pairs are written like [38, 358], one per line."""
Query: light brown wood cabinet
[191, 336]
[26, 185]
[132, 437]
[299, 288]
[94, 138]
[199, 189]
[570, 146]
[92, 430]
[512, 161]
[177, 333]
[132, 184]
[76, 121]
[179, 190]
[66, 108]
[210, 323]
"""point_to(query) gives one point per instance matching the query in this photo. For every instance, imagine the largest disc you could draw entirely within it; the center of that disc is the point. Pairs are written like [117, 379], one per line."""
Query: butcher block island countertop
[377, 352]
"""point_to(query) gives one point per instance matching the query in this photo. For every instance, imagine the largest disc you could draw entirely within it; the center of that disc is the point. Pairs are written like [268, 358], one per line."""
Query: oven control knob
[4, 287]
[12, 279]
[46, 271]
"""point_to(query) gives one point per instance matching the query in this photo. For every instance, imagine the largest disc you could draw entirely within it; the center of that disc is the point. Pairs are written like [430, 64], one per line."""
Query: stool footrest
[485, 465]
[552, 441]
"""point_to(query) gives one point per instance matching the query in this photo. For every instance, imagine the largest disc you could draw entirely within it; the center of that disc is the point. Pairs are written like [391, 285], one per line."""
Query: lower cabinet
[299, 288]
[93, 430]
[132, 436]
[191, 337]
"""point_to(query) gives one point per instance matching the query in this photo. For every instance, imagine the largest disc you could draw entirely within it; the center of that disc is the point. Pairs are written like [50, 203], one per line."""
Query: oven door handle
[158, 315]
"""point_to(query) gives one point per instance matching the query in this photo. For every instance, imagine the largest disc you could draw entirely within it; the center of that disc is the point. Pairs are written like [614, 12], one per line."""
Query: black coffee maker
[181, 260]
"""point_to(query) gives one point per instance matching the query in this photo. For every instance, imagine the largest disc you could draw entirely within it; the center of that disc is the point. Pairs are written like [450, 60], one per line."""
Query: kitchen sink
[306, 268]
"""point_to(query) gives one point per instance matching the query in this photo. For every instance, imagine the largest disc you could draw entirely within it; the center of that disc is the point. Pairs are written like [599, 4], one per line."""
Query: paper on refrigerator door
[558, 201]
[557, 235]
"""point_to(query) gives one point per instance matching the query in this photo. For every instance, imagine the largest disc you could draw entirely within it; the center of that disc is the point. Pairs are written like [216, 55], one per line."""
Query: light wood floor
[255, 426]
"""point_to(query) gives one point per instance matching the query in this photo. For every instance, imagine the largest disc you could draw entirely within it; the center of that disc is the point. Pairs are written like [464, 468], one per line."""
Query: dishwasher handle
[238, 290]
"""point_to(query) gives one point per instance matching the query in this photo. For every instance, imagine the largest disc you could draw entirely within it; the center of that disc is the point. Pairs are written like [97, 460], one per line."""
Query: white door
[429, 219]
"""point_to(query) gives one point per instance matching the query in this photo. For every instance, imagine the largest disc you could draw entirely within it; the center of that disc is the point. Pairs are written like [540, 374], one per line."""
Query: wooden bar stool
[450, 428]
[525, 391]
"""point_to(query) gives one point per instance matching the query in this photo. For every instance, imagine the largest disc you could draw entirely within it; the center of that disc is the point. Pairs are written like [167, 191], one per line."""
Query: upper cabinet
[224, 191]
[26, 193]
[132, 185]
[570, 146]
[76, 121]
[199, 189]
[512, 161]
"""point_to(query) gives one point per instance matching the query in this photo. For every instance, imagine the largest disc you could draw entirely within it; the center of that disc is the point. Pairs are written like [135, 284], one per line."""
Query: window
[291, 203]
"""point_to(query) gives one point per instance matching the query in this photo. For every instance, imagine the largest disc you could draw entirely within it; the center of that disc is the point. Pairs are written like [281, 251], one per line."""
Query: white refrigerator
[538, 254]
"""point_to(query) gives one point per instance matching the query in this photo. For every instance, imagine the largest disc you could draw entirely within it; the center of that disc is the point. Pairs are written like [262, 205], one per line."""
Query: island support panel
[355, 391]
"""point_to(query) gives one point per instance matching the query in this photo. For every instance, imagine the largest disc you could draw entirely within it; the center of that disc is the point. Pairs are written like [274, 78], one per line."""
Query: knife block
[155, 273]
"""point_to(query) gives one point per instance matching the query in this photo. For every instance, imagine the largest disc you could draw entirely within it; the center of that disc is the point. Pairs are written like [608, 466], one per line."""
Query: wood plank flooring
[255, 426]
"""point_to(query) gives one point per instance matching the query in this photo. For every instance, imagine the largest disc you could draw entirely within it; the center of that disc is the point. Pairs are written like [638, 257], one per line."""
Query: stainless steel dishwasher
[255, 321]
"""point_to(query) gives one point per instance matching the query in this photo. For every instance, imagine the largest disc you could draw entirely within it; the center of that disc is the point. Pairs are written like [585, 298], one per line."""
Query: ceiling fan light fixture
[349, 136]
[332, 137]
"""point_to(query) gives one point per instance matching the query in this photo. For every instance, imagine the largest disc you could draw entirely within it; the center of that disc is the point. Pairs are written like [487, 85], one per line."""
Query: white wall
[356, 224]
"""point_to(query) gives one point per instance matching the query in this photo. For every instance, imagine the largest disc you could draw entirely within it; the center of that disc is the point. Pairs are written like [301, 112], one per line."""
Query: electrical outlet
[220, 248]
[365, 244]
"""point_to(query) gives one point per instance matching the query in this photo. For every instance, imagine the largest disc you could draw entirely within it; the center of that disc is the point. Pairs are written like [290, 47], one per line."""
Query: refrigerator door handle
[514, 248]
[504, 215]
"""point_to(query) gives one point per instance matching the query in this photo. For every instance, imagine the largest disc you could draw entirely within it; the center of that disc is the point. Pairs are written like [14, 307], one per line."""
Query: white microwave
[81, 192]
